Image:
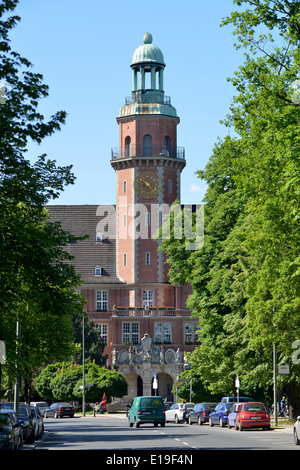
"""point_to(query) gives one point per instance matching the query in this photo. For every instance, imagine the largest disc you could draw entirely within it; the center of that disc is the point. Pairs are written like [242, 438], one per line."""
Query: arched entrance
[139, 386]
[135, 384]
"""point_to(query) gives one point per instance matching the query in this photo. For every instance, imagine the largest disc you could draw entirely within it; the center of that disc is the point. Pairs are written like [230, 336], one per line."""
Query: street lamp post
[275, 384]
[83, 369]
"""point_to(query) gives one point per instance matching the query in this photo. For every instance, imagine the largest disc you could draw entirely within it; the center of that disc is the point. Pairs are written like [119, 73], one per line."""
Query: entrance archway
[165, 385]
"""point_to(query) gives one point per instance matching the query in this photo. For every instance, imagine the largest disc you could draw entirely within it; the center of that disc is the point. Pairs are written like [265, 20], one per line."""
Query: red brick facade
[124, 276]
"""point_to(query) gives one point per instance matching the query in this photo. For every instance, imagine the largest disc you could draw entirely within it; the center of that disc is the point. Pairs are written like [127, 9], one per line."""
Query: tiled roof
[80, 220]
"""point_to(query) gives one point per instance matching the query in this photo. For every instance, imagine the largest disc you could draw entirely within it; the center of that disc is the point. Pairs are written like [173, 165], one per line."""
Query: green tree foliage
[37, 284]
[200, 390]
[63, 381]
[246, 277]
[94, 344]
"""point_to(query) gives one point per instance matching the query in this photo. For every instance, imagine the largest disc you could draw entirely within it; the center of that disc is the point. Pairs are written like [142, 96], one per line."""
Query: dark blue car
[220, 414]
[11, 432]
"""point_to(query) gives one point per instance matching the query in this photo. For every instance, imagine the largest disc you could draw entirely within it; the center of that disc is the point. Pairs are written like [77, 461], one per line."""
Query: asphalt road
[112, 434]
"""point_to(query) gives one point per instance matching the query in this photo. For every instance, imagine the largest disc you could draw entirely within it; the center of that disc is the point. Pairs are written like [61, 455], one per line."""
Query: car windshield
[23, 411]
[254, 407]
[210, 406]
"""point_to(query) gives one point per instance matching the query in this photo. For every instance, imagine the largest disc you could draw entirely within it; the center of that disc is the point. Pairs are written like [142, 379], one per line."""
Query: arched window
[166, 150]
[147, 145]
[127, 147]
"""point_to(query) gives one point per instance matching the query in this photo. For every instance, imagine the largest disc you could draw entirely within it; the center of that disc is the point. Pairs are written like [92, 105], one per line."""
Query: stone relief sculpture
[147, 352]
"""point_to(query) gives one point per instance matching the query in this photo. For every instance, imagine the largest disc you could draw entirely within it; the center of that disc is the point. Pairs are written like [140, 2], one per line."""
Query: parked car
[58, 410]
[220, 414]
[11, 432]
[296, 431]
[177, 410]
[252, 415]
[38, 423]
[146, 410]
[234, 399]
[41, 405]
[25, 418]
[232, 415]
[200, 413]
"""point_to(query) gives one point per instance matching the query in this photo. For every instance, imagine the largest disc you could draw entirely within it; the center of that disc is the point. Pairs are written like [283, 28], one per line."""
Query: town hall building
[142, 318]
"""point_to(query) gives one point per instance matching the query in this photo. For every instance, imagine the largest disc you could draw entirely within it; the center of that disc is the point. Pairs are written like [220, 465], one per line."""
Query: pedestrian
[282, 406]
[102, 407]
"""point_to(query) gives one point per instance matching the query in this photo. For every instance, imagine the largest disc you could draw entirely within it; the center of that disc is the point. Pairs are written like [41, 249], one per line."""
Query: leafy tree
[45, 377]
[112, 383]
[246, 277]
[37, 284]
[94, 344]
[62, 381]
[266, 115]
[200, 390]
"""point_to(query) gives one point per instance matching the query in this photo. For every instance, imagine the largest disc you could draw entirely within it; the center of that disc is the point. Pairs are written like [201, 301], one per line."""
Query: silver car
[41, 405]
[297, 431]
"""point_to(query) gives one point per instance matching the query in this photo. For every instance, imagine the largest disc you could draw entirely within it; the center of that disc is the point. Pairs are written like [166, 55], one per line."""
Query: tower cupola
[148, 58]
[148, 95]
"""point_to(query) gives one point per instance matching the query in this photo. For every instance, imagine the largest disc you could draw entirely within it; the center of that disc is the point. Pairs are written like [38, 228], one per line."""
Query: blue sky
[84, 50]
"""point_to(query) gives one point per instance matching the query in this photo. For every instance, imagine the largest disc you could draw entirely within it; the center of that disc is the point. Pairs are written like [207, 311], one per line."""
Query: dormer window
[98, 270]
[99, 237]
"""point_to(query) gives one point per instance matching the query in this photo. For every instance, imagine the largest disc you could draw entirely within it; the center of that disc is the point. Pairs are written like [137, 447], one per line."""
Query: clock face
[147, 184]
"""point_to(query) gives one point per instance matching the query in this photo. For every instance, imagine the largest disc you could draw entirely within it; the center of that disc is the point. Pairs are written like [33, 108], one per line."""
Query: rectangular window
[125, 220]
[103, 332]
[190, 333]
[147, 219]
[163, 333]
[170, 186]
[131, 333]
[147, 258]
[124, 187]
[125, 259]
[101, 300]
[148, 297]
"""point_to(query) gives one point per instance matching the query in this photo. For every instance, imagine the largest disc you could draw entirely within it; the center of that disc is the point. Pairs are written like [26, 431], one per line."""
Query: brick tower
[148, 164]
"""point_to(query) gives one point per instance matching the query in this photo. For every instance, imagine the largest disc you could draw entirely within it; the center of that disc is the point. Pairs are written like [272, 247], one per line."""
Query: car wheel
[162, 425]
[200, 421]
[176, 419]
[222, 424]
[190, 421]
[229, 425]
[296, 439]
[241, 427]
[210, 422]
[30, 439]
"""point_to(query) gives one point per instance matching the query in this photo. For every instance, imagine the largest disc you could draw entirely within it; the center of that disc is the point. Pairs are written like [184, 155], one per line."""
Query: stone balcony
[138, 312]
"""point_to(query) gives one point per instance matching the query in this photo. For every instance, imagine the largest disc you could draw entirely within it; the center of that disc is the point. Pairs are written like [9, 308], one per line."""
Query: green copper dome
[148, 53]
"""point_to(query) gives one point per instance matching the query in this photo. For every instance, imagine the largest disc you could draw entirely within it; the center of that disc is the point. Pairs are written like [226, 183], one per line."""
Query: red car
[252, 415]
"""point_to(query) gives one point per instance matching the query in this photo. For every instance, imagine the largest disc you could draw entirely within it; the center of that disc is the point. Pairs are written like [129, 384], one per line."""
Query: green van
[146, 410]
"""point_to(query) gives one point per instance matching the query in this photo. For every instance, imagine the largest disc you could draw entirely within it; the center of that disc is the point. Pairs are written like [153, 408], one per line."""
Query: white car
[176, 411]
[297, 431]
